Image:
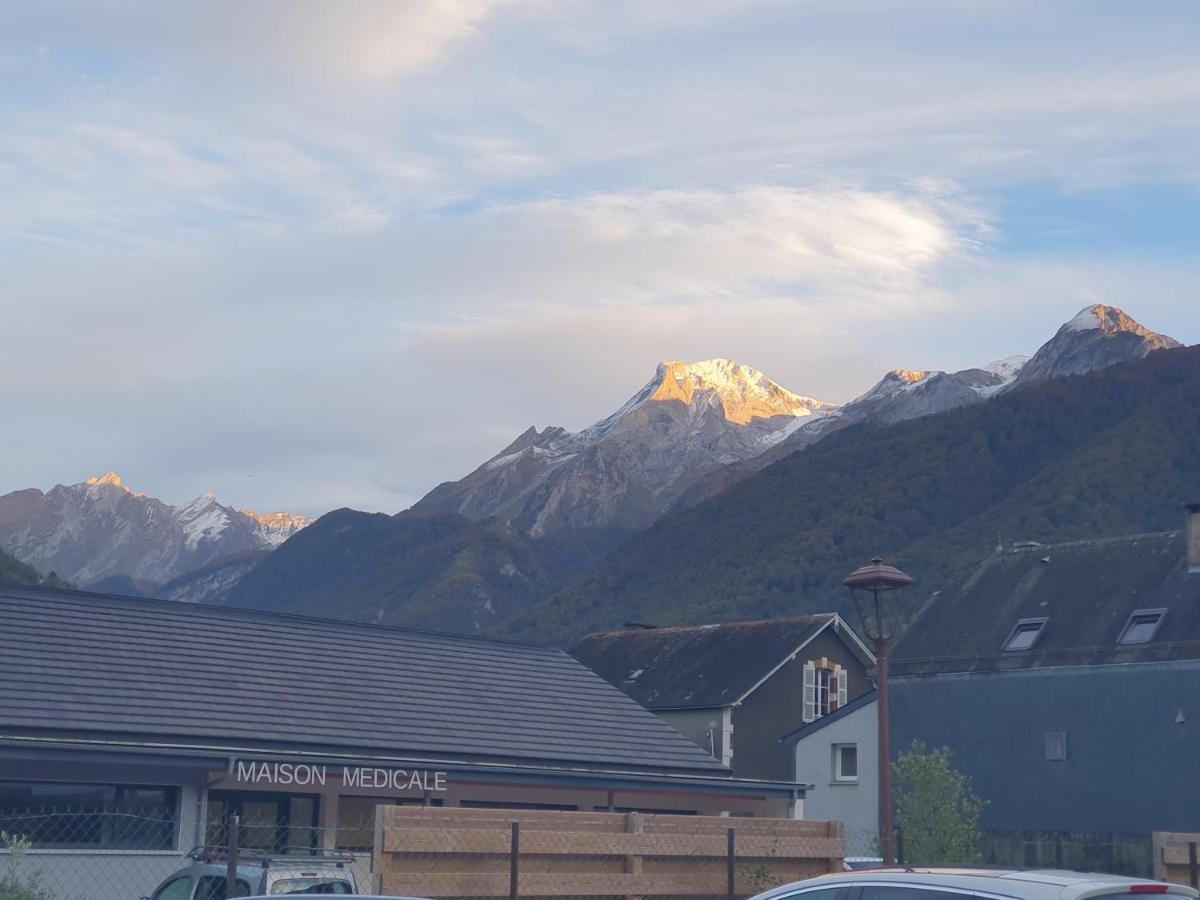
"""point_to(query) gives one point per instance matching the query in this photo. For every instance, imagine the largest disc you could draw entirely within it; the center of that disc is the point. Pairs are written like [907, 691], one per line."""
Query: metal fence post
[231, 864]
[1193, 870]
[900, 846]
[730, 856]
[514, 865]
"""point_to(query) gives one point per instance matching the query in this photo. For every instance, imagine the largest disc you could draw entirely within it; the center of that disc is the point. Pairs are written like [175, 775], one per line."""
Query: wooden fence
[450, 852]
[1175, 857]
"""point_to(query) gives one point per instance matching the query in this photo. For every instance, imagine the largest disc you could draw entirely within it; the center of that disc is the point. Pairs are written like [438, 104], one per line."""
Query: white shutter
[810, 692]
[840, 672]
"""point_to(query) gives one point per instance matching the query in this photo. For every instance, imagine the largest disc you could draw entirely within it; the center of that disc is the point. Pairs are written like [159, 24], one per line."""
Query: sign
[277, 774]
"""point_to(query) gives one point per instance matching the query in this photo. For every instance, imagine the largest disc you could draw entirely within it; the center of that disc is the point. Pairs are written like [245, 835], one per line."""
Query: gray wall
[1130, 767]
[777, 708]
[855, 804]
[695, 725]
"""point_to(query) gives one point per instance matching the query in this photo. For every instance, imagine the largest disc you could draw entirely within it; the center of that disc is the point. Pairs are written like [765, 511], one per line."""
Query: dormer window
[1025, 634]
[824, 688]
[1142, 626]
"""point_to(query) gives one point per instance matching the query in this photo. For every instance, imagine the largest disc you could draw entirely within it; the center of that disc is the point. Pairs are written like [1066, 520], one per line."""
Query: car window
[212, 887]
[832, 893]
[889, 892]
[176, 889]
[311, 886]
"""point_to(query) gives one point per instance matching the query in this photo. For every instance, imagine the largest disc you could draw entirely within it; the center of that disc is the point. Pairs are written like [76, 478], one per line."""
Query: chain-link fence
[105, 854]
[89, 854]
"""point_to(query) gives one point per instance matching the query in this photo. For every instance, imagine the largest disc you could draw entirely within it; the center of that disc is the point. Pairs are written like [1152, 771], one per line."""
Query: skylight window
[1142, 626]
[1025, 634]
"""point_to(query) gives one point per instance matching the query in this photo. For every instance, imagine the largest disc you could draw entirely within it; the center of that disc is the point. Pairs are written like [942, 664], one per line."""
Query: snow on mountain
[621, 473]
[99, 529]
[1098, 336]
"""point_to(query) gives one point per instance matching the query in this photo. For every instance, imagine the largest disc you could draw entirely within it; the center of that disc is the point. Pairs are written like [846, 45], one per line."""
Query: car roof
[1034, 884]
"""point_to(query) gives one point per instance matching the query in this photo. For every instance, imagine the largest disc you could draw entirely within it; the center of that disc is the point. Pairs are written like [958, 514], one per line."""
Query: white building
[837, 756]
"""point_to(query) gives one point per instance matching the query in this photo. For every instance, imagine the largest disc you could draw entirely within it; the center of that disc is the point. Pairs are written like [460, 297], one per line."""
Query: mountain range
[489, 552]
[100, 534]
[560, 531]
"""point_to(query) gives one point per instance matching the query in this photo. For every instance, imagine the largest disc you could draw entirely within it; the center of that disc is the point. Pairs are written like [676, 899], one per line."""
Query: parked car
[258, 875]
[974, 884]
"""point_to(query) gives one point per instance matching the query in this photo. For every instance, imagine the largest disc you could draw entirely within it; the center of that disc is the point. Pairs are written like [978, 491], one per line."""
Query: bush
[936, 811]
[16, 884]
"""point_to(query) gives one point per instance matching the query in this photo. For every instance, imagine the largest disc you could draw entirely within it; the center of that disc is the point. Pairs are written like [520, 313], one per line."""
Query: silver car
[973, 884]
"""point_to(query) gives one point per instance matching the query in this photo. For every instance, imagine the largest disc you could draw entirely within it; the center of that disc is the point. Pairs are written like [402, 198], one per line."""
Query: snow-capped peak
[744, 393]
[1108, 319]
[108, 478]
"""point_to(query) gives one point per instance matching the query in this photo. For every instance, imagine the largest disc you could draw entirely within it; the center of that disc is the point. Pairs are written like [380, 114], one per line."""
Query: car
[258, 874]
[348, 897]
[900, 883]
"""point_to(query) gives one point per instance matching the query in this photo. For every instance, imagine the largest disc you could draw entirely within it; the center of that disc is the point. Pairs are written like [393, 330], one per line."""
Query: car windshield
[311, 886]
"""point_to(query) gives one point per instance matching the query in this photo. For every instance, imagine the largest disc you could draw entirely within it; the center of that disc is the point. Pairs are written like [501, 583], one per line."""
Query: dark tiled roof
[700, 666]
[73, 663]
[840, 713]
[1086, 589]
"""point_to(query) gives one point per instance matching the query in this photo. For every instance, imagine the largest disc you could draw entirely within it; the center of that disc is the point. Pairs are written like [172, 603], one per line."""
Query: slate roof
[701, 666]
[1086, 589]
[73, 663]
[828, 719]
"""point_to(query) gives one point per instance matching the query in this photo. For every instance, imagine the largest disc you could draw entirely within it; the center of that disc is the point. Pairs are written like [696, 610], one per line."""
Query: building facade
[138, 729]
[737, 688]
[1065, 679]
[837, 756]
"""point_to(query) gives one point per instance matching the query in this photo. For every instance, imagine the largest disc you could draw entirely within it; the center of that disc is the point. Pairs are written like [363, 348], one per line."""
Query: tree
[936, 811]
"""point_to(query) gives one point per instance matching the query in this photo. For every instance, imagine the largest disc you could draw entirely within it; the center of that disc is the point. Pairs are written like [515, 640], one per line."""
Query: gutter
[508, 773]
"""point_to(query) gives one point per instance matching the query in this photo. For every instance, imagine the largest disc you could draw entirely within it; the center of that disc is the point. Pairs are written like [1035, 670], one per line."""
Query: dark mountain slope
[1112, 452]
[418, 569]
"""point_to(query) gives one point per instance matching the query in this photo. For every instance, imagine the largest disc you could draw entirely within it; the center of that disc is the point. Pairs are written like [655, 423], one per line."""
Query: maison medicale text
[284, 773]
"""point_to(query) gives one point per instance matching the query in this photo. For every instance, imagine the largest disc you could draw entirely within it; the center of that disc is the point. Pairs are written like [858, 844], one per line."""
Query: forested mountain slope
[1112, 452]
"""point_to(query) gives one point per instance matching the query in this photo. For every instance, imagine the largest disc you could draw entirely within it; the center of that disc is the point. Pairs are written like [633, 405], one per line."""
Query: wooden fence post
[514, 865]
[730, 860]
[231, 863]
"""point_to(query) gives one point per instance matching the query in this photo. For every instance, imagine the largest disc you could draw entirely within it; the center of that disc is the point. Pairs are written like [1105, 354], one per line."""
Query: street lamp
[867, 587]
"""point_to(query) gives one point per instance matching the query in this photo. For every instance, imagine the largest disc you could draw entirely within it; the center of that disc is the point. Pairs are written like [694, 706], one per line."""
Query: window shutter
[810, 692]
[840, 671]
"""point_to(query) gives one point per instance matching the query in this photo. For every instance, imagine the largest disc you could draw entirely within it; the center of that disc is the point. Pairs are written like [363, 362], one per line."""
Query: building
[837, 756]
[736, 689]
[140, 728]
[1066, 680]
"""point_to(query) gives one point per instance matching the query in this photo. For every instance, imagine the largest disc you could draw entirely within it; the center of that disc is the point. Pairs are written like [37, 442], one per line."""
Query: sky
[320, 254]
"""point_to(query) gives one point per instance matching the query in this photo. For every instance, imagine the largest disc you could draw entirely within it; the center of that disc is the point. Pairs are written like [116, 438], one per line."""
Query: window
[212, 887]
[822, 708]
[895, 892]
[820, 894]
[1025, 634]
[845, 762]
[1142, 626]
[1056, 745]
[824, 688]
[90, 816]
[275, 823]
[176, 889]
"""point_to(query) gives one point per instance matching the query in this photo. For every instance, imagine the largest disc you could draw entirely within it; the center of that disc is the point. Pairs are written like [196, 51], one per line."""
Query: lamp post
[867, 587]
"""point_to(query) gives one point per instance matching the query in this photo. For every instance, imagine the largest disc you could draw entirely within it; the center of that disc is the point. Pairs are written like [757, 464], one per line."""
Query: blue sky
[316, 254]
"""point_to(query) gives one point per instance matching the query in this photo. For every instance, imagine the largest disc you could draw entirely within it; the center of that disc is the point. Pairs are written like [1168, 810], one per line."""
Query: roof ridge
[806, 618]
[81, 596]
[1034, 546]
